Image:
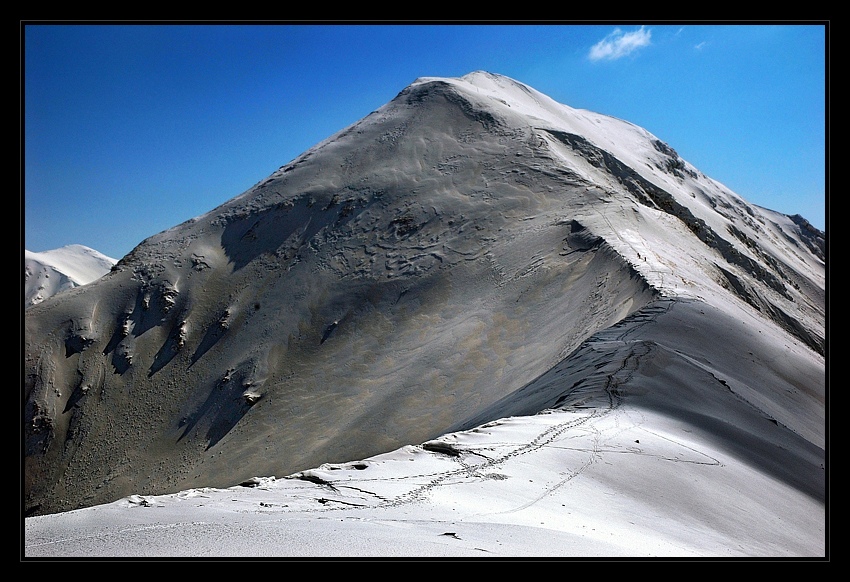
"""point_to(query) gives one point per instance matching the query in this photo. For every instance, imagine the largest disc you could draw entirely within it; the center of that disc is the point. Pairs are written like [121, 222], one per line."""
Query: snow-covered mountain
[49, 272]
[469, 252]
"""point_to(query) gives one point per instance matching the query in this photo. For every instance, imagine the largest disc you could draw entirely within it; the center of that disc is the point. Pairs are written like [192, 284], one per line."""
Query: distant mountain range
[49, 272]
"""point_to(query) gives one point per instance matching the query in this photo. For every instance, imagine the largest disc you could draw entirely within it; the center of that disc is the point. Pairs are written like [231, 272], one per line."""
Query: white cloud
[700, 45]
[619, 44]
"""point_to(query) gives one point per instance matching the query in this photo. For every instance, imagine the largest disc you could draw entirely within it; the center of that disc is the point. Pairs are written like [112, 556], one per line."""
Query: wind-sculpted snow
[647, 360]
[452, 258]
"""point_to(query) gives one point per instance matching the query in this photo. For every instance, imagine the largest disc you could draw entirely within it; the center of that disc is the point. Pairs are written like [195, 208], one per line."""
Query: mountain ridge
[405, 276]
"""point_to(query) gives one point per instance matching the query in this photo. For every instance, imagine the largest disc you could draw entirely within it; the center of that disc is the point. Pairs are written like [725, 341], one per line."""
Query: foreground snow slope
[641, 459]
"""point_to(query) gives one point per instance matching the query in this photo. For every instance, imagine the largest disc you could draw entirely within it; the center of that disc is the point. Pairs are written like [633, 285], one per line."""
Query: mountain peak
[453, 249]
[49, 272]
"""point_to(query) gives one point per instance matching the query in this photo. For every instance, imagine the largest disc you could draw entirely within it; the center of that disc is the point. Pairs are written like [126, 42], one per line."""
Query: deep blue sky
[132, 129]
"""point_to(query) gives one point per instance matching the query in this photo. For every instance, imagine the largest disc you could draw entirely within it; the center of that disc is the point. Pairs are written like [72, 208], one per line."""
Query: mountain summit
[470, 250]
[49, 272]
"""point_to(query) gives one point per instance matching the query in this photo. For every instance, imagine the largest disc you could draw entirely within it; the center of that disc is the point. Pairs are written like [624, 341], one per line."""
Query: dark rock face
[390, 283]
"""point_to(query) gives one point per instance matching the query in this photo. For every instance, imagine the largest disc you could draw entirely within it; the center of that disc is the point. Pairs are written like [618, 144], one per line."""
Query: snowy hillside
[559, 325]
[49, 272]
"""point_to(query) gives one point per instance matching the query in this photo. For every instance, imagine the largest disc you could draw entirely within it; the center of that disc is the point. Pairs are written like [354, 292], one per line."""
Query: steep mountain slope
[49, 272]
[419, 271]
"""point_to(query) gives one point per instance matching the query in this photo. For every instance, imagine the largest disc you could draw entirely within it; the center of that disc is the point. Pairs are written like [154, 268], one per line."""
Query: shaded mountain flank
[439, 263]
